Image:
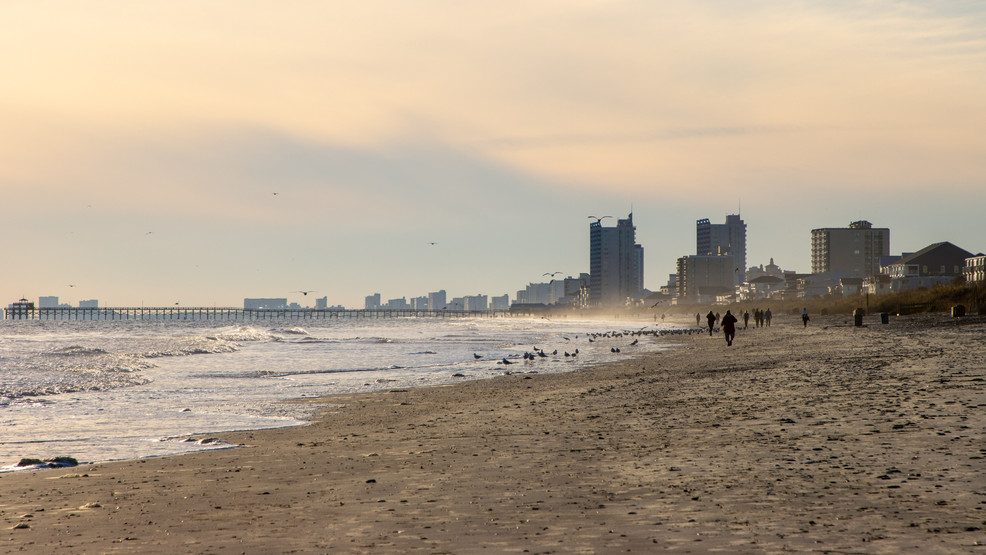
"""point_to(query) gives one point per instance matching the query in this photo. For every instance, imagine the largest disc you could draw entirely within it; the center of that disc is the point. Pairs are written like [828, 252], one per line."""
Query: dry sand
[830, 439]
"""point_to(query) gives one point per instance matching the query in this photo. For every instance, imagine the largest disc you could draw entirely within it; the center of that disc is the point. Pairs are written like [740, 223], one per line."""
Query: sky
[154, 153]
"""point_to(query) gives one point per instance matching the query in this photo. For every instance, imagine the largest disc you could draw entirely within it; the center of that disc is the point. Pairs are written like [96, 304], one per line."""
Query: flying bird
[552, 274]
[305, 292]
[599, 218]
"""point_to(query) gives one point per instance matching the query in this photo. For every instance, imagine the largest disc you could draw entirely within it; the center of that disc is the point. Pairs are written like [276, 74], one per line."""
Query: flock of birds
[539, 353]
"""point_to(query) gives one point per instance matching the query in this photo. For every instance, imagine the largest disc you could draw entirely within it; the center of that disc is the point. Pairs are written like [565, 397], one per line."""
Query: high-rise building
[855, 250]
[476, 302]
[728, 239]
[372, 302]
[500, 303]
[436, 300]
[703, 278]
[616, 263]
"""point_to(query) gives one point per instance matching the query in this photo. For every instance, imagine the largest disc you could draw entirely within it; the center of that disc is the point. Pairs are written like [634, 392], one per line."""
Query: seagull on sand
[474, 355]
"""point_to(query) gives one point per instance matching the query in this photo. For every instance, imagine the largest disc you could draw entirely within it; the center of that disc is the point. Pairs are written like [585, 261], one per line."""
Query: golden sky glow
[183, 107]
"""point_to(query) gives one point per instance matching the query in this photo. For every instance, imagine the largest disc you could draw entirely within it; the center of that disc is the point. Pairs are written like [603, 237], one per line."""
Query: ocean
[113, 390]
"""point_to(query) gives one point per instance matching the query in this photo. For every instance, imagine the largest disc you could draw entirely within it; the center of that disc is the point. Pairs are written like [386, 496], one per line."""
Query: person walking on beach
[711, 317]
[746, 318]
[729, 328]
[804, 316]
[766, 316]
[698, 319]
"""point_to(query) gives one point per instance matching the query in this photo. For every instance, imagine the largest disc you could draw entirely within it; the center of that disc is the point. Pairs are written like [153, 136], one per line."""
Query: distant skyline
[155, 153]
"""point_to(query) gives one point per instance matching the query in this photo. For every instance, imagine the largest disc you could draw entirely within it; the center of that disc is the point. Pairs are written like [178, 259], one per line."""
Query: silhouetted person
[711, 317]
[804, 316]
[746, 318]
[698, 319]
[766, 316]
[729, 328]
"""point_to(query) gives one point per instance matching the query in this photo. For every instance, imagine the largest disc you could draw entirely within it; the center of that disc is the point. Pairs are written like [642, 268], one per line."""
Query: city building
[728, 239]
[703, 279]
[975, 268]
[760, 287]
[475, 302]
[436, 300]
[265, 304]
[398, 304]
[535, 293]
[616, 263]
[855, 250]
[936, 264]
[500, 303]
[773, 270]
[47, 302]
[91, 303]
[372, 302]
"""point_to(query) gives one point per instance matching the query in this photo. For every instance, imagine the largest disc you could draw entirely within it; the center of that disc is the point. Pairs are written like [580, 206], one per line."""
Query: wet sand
[830, 439]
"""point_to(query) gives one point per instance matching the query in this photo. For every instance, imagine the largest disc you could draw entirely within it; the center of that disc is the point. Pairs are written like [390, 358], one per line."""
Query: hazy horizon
[205, 153]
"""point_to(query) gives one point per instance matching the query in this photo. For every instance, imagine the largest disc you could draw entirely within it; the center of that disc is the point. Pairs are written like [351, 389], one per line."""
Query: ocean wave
[243, 333]
[292, 331]
[77, 350]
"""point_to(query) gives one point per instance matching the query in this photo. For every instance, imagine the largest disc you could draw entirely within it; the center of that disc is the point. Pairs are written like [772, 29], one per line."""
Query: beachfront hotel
[616, 263]
[728, 239]
[854, 250]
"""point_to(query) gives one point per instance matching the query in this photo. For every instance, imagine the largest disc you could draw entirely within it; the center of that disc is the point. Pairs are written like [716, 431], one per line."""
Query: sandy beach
[827, 439]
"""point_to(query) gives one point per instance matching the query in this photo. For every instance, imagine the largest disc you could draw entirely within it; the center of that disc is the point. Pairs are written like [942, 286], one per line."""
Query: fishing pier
[231, 314]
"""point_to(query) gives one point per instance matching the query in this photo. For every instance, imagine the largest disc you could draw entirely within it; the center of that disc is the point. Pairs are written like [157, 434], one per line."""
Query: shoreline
[821, 439]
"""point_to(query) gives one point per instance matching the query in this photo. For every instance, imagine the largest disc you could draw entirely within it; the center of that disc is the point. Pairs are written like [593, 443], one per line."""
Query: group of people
[760, 318]
[728, 324]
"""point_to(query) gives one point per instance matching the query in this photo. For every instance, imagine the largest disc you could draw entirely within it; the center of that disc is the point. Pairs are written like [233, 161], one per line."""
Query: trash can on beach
[857, 316]
[884, 318]
[958, 311]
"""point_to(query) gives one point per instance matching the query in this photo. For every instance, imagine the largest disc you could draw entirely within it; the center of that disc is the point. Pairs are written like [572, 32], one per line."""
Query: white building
[437, 300]
[500, 303]
[475, 302]
[975, 268]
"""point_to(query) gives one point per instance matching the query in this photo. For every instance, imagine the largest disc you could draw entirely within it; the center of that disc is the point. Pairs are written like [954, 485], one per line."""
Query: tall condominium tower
[855, 250]
[728, 239]
[616, 263]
